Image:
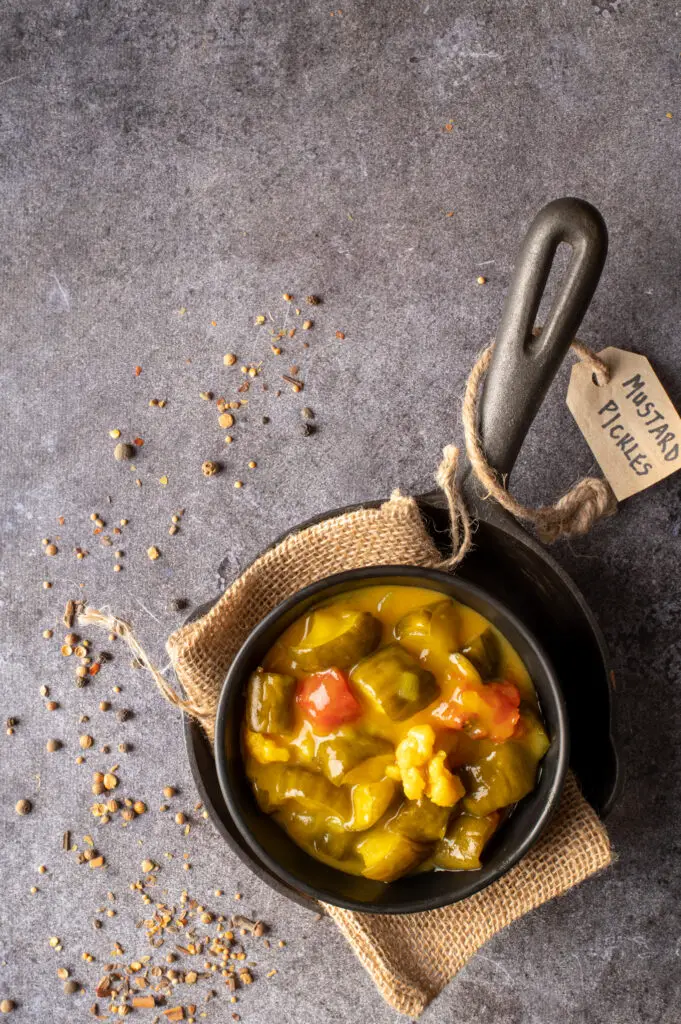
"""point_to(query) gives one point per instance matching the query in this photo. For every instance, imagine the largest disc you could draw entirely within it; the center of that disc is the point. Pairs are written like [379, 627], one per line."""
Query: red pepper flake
[97, 530]
[138, 441]
[61, 520]
[138, 370]
[94, 669]
[339, 334]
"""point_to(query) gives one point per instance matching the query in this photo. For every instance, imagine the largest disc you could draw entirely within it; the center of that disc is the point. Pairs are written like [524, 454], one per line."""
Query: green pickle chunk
[387, 855]
[310, 830]
[503, 777]
[336, 638]
[339, 754]
[432, 630]
[483, 652]
[276, 784]
[395, 682]
[421, 820]
[269, 702]
[461, 848]
[532, 735]
[370, 801]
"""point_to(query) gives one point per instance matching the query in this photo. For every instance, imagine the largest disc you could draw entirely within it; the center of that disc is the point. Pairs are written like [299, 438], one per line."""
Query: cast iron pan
[506, 561]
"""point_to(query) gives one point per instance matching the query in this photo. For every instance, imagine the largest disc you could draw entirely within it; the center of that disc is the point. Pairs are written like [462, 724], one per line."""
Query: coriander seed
[123, 452]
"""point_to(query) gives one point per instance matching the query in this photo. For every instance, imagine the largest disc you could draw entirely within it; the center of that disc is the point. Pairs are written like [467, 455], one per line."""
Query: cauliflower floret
[416, 747]
[422, 772]
[412, 755]
[264, 750]
[443, 788]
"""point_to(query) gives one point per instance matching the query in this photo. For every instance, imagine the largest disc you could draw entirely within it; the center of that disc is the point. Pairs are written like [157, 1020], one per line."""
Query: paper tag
[629, 423]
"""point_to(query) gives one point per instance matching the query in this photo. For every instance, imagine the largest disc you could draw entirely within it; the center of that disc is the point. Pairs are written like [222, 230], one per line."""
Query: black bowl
[294, 868]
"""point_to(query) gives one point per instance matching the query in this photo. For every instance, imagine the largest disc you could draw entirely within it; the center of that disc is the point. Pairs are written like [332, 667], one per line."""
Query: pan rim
[235, 677]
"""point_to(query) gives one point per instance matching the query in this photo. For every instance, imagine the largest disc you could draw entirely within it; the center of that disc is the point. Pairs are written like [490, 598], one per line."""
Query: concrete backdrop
[167, 166]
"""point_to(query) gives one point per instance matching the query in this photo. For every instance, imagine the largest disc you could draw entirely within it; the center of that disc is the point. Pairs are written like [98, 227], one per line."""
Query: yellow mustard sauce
[380, 795]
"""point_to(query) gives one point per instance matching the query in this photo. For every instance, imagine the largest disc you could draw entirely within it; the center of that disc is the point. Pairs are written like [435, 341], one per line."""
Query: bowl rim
[236, 676]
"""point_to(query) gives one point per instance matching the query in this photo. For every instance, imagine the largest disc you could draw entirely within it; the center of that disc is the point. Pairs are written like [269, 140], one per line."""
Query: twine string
[572, 515]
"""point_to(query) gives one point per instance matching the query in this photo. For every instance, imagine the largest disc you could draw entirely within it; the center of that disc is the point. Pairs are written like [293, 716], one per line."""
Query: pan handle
[523, 366]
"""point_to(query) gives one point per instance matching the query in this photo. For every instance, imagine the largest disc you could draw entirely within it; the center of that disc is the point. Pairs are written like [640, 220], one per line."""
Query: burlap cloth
[410, 957]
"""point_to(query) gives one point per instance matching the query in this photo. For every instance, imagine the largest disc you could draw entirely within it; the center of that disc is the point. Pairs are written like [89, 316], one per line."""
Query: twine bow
[572, 515]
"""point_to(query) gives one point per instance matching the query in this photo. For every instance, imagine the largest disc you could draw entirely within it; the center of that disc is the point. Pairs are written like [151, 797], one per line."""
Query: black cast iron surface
[211, 156]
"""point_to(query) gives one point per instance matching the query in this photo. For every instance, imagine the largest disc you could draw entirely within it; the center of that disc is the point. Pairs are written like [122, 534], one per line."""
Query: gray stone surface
[209, 156]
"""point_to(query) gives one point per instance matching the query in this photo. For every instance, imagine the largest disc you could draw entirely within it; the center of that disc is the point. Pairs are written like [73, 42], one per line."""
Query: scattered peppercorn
[123, 452]
[209, 468]
[306, 429]
[23, 807]
[52, 745]
[123, 714]
[307, 413]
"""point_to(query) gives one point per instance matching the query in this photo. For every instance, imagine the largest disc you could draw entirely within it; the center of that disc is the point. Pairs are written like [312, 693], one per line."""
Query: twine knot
[576, 512]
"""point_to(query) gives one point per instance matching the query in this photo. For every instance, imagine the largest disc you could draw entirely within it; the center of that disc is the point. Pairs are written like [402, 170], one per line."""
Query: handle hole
[555, 279]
